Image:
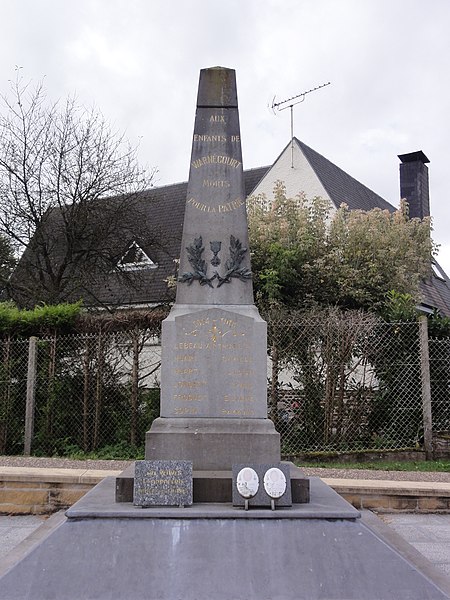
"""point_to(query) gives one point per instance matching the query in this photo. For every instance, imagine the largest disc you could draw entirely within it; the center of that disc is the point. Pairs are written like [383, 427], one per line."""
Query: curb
[388, 496]
[36, 491]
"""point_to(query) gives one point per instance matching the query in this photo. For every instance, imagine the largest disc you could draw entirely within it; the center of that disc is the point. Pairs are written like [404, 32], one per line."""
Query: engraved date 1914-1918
[199, 266]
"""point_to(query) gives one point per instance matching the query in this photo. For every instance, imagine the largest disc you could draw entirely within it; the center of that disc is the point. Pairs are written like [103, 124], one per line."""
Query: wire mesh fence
[338, 382]
[440, 395]
[345, 382]
[13, 392]
[89, 391]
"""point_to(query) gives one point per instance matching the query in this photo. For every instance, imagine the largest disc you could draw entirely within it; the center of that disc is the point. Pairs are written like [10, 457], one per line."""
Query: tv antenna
[290, 103]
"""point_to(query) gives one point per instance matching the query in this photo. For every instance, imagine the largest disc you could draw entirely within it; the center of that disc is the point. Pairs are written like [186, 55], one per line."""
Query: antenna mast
[289, 103]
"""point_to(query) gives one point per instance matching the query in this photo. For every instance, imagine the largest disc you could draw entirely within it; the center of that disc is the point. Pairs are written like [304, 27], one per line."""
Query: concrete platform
[99, 503]
[317, 551]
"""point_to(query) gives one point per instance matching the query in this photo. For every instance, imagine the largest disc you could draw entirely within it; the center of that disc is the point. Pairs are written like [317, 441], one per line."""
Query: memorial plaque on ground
[163, 483]
[261, 498]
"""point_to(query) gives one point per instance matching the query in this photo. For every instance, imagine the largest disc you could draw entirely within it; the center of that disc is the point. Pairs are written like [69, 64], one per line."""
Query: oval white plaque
[274, 482]
[247, 482]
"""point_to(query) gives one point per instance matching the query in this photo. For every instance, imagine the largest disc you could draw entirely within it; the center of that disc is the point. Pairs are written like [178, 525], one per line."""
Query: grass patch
[419, 465]
[120, 451]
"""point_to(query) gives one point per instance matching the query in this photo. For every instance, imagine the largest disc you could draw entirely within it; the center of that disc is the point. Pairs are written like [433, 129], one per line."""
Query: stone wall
[44, 491]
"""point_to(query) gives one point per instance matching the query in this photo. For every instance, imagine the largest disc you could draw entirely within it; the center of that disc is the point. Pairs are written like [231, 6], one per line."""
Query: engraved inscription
[216, 183]
[162, 483]
[216, 159]
[188, 346]
[184, 357]
[243, 386]
[189, 397]
[221, 208]
[216, 329]
[185, 410]
[201, 205]
[238, 412]
[237, 359]
[243, 399]
[233, 205]
[222, 379]
[210, 138]
[198, 137]
[217, 119]
[190, 384]
[242, 372]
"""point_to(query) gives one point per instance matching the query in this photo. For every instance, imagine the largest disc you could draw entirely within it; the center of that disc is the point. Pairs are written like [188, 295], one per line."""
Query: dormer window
[437, 270]
[135, 259]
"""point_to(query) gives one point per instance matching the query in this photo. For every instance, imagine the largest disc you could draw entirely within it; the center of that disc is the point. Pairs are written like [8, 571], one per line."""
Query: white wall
[297, 179]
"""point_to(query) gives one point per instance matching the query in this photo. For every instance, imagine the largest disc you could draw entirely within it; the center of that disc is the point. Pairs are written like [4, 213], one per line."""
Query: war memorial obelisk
[214, 413]
[214, 360]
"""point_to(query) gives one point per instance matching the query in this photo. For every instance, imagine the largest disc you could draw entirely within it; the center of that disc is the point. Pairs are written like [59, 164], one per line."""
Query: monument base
[214, 486]
[106, 550]
[213, 443]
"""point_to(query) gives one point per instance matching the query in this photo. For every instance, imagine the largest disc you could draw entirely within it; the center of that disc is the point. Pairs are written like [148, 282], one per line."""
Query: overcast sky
[138, 61]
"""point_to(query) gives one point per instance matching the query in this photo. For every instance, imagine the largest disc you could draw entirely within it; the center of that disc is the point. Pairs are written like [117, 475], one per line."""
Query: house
[145, 252]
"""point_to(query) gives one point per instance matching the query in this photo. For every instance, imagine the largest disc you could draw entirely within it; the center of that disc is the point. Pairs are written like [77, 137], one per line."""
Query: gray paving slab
[14, 529]
[428, 533]
[29, 532]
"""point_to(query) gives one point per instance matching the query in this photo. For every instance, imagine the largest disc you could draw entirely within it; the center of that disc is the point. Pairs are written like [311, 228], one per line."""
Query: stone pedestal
[213, 444]
[214, 389]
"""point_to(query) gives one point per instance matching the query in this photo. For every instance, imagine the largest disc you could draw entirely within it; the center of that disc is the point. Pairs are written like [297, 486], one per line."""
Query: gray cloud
[138, 61]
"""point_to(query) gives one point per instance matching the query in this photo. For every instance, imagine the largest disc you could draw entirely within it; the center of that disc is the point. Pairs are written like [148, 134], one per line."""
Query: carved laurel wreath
[199, 266]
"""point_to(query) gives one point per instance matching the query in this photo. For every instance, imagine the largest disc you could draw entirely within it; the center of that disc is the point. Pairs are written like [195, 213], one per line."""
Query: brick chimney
[414, 183]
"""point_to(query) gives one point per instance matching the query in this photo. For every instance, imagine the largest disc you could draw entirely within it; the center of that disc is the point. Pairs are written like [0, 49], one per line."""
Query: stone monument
[214, 414]
[214, 349]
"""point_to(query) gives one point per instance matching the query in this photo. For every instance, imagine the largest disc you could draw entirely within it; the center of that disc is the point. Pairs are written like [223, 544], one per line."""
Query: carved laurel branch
[198, 264]
[232, 265]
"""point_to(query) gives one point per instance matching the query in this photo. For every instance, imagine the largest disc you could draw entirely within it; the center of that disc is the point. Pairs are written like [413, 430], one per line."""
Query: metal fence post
[426, 387]
[31, 390]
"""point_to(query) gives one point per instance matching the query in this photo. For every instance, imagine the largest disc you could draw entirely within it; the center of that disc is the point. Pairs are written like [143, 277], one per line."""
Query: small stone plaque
[247, 482]
[274, 483]
[163, 483]
[265, 473]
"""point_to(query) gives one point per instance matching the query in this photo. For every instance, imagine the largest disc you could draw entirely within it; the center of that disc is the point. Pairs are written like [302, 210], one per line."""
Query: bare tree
[68, 194]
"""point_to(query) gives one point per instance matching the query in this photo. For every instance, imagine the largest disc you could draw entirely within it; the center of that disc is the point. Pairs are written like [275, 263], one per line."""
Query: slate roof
[436, 294]
[340, 186]
[157, 224]
[162, 211]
